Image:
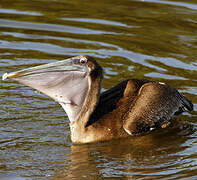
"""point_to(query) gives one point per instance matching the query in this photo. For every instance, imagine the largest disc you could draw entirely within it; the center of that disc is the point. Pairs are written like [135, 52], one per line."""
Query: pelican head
[67, 82]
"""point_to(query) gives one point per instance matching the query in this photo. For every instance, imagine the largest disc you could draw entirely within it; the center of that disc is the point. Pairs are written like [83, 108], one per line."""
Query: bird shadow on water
[152, 156]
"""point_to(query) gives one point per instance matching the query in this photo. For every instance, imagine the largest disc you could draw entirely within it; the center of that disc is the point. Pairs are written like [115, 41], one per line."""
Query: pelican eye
[83, 61]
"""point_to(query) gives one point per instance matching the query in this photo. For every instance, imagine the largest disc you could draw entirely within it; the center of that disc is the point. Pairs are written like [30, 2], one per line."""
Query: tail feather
[186, 104]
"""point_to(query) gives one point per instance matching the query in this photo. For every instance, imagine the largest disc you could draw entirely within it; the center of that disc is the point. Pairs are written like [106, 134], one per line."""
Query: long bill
[65, 65]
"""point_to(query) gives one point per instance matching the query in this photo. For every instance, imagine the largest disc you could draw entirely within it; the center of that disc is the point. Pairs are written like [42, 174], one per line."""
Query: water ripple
[99, 21]
[176, 3]
[49, 27]
[14, 11]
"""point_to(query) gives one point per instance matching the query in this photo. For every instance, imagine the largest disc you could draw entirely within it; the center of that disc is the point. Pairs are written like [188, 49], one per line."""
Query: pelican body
[133, 107]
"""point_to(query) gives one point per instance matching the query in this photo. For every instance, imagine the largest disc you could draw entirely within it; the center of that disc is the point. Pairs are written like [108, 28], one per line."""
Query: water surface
[131, 39]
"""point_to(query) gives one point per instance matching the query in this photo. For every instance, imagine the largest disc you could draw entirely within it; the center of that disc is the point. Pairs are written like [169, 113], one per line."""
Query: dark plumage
[132, 107]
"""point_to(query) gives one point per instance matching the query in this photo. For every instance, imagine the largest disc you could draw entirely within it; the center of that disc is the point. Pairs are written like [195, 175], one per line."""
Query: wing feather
[154, 106]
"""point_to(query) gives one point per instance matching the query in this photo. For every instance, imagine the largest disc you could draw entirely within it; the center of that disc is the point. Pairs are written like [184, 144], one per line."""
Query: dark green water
[130, 39]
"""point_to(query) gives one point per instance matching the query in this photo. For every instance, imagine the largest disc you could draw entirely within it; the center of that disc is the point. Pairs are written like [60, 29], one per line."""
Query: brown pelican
[133, 107]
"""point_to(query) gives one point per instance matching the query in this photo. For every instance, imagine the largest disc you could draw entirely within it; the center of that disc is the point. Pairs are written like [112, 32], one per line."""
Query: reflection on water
[141, 39]
[155, 156]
